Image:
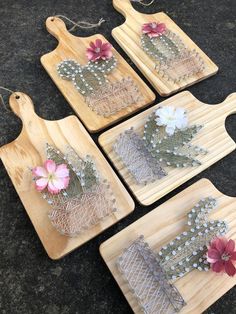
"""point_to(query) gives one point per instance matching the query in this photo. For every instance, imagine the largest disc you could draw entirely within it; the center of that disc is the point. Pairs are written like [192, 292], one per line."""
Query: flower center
[97, 49]
[153, 25]
[225, 257]
[170, 118]
[51, 176]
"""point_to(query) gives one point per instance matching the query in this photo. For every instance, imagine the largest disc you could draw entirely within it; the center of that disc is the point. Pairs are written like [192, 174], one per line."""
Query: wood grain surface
[72, 47]
[212, 137]
[199, 289]
[29, 150]
[128, 36]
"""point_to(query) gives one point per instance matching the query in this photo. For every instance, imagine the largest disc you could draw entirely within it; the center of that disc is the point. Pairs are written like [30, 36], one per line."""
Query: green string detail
[188, 250]
[88, 78]
[83, 174]
[172, 150]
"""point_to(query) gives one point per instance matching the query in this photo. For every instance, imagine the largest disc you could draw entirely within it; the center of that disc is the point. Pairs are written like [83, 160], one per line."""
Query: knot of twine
[81, 24]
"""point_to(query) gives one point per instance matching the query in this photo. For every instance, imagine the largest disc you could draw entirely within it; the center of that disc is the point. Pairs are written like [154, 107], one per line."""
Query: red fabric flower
[99, 50]
[153, 29]
[221, 255]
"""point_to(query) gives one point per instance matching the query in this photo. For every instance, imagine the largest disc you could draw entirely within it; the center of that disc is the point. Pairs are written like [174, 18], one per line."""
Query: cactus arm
[151, 48]
[87, 82]
[164, 47]
[187, 251]
[103, 66]
[200, 212]
[68, 68]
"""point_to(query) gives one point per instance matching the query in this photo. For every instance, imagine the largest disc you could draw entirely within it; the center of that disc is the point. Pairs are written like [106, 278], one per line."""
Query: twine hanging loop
[81, 24]
[142, 2]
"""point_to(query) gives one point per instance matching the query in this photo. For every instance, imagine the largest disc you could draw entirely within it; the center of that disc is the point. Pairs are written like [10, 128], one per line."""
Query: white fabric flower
[172, 118]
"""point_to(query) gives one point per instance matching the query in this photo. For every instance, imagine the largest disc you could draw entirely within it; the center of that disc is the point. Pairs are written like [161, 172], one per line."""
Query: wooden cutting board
[212, 137]
[199, 289]
[72, 47]
[128, 36]
[28, 151]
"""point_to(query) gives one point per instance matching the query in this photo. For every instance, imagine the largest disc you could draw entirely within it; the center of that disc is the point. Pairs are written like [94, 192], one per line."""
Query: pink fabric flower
[153, 29]
[221, 255]
[99, 50]
[51, 176]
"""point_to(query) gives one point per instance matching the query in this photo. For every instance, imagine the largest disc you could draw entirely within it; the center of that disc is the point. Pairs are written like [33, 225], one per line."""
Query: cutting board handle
[228, 106]
[22, 105]
[56, 27]
[124, 7]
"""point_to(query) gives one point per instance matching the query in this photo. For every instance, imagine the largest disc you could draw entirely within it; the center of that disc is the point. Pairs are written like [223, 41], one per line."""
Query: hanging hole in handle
[17, 97]
[52, 19]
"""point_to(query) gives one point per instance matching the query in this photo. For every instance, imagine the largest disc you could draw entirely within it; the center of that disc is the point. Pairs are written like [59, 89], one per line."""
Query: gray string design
[137, 159]
[147, 280]
[174, 61]
[87, 200]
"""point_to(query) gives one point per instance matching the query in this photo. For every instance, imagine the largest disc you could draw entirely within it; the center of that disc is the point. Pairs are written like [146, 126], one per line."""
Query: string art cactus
[87, 199]
[149, 274]
[188, 250]
[147, 154]
[88, 78]
[174, 61]
[91, 80]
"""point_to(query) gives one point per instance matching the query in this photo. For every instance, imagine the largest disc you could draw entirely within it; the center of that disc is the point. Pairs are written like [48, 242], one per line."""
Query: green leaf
[173, 150]
[90, 174]
[156, 136]
[74, 188]
[172, 159]
[153, 134]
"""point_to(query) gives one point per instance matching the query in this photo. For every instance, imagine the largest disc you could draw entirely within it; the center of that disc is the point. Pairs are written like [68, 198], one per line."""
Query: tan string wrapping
[81, 24]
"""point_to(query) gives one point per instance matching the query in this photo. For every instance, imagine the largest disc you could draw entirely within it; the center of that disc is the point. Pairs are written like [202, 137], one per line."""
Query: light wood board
[212, 137]
[72, 47]
[29, 150]
[128, 36]
[159, 227]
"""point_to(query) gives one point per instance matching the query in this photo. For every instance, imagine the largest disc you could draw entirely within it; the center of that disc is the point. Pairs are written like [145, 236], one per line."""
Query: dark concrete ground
[81, 283]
